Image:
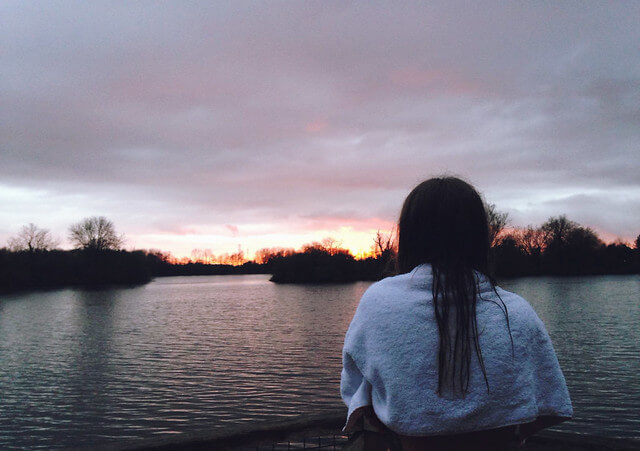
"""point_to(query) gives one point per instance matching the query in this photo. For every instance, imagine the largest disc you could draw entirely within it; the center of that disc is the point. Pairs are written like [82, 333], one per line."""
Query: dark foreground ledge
[262, 435]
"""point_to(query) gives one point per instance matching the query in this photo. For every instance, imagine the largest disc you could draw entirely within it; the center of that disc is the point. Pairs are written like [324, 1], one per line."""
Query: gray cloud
[174, 117]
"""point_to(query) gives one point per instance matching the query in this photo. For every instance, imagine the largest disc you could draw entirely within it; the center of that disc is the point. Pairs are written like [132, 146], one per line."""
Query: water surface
[193, 354]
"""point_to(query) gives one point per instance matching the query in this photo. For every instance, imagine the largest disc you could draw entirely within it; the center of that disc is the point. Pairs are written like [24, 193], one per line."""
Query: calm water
[193, 354]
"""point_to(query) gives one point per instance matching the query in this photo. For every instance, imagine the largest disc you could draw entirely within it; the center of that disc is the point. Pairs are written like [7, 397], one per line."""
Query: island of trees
[558, 247]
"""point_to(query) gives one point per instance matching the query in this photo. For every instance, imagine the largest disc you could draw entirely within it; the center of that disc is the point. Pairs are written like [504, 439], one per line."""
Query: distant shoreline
[44, 288]
[25, 270]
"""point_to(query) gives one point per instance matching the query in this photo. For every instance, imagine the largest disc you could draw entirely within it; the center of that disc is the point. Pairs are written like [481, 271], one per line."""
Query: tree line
[32, 259]
[327, 261]
[559, 246]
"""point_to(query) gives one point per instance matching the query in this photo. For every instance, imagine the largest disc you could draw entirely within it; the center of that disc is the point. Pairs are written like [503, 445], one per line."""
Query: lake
[192, 354]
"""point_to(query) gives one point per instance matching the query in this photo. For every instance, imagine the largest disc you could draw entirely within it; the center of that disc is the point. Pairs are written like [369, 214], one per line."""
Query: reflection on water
[594, 323]
[187, 354]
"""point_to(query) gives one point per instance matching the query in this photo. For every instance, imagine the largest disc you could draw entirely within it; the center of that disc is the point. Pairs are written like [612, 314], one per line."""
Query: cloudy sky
[218, 124]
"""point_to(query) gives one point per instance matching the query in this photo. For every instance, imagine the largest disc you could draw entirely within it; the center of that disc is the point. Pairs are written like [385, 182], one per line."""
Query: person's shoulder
[380, 292]
[399, 282]
[520, 310]
[512, 299]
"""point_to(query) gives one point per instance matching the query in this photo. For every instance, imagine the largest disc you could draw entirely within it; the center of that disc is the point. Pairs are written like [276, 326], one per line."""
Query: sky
[214, 125]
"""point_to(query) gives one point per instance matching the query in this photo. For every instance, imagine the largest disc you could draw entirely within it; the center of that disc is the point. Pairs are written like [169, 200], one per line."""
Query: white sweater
[390, 361]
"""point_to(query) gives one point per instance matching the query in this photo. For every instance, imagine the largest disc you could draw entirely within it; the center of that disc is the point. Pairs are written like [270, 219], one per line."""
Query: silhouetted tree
[531, 240]
[619, 258]
[159, 262]
[384, 257]
[509, 259]
[32, 238]
[268, 254]
[556, 235]
[383, 244]
[328, 245]
[262, 256]
[197, 256]
[209, 257]
[556, 230]
[583, 251]
[319, 262]
[497, 222]
[585, 238]
[96, 233]
[637, 255]
[237, 258]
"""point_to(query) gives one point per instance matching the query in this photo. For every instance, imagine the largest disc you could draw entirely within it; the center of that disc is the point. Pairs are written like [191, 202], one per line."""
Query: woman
[438, 354]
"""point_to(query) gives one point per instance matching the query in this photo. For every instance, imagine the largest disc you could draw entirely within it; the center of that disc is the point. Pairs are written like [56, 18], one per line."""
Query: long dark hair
[444, 223]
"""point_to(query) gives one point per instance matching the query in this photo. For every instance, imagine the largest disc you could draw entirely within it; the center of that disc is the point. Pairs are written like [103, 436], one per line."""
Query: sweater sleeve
[552, 394]
[354, 388]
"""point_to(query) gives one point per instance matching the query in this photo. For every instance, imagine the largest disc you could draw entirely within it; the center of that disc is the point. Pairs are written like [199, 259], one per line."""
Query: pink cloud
[316, 126]
[233, 229]
[320, 222]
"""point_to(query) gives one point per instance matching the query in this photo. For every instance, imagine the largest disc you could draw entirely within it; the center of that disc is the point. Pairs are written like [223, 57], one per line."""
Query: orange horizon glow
[358, 243]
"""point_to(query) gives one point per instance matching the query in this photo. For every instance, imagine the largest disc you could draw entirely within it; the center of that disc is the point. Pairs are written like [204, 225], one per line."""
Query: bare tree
[383, 244]
[329, 245]
[262, 256]
[95, 233]
[32, 238]
[197, 256]
[237, 258]
[209, 257]
[265, 255]
[531, 240]
[497, 222]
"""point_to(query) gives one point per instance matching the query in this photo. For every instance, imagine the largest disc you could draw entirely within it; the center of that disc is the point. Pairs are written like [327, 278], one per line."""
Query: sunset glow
[218, 127]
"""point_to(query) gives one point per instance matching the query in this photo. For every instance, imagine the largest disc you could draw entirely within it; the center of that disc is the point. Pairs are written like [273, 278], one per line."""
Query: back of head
[443, 222]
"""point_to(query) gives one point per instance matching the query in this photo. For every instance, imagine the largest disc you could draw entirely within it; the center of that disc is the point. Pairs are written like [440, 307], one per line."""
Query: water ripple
[184, 355]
